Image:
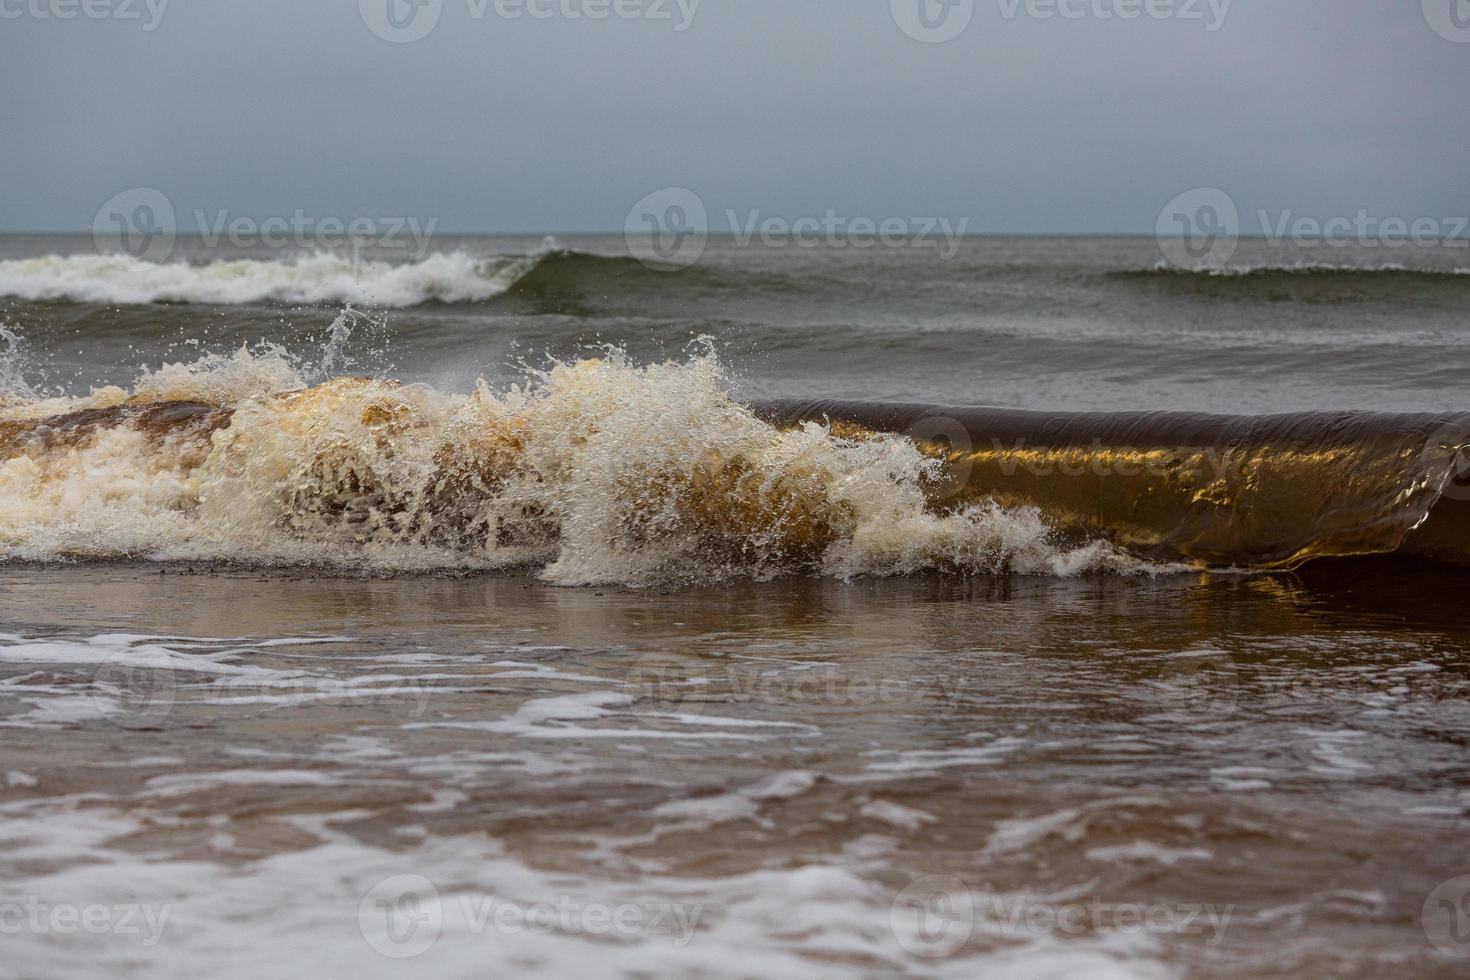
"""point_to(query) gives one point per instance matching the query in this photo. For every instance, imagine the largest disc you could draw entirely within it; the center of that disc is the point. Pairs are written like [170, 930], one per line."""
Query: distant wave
[548, 277]
[1307, 269]
[1304, 282]
[572, 282]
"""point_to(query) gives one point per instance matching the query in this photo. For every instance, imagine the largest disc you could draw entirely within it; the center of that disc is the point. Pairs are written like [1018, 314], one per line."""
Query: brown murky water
[801, 752]
[1207, 776]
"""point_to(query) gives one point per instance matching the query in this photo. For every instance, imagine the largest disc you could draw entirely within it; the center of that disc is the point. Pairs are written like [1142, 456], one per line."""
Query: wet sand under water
[1207, 776]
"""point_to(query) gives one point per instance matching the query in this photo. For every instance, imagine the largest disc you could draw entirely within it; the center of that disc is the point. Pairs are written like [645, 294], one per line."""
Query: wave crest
[597, 471]
[450, 277]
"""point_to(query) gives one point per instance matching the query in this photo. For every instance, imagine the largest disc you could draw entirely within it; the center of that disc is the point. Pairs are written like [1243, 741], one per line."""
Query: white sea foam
[739, 804]
[448, 277]
[599, 471]
[1144, 851]
[463, 906]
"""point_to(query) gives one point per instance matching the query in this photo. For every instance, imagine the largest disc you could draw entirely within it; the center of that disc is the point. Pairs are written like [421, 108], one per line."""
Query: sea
[540, 606]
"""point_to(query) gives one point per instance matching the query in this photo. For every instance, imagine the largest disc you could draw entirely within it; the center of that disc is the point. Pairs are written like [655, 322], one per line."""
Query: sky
[530, 116]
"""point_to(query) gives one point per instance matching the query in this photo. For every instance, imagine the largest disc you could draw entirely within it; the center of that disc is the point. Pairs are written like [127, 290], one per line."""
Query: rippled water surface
[801, 778]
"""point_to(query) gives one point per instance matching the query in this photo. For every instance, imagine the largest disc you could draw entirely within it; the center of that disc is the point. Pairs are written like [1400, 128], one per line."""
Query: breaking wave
[598, 471]
[549, 277]
[605, 471]
[1304, 282]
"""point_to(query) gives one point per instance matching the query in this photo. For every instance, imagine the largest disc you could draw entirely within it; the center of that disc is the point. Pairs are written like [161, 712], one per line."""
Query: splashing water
[335, 354]
[324, 277]
[598, 471]
[12, 383]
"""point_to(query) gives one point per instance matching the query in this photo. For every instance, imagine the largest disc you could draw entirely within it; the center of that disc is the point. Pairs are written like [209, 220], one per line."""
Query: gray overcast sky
[793, 107]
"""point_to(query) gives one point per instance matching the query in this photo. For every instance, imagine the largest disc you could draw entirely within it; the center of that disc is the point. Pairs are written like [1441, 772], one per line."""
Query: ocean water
[1035, 610]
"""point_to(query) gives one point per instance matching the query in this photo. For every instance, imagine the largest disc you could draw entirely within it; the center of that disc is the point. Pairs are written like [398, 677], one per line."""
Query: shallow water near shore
[1208, 776]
